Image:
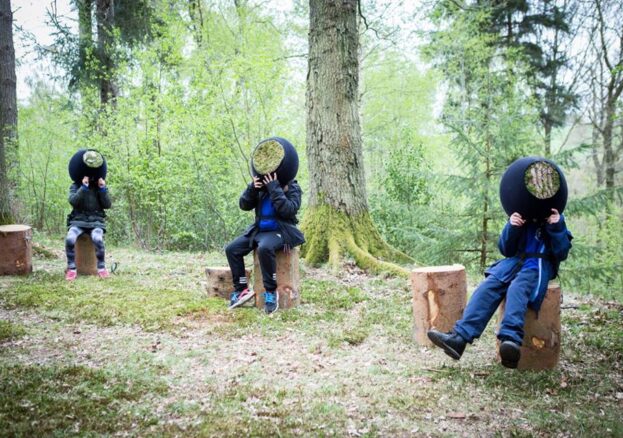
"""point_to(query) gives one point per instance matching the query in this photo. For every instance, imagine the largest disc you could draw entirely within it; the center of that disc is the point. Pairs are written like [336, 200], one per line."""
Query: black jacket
[286, 205]
[89, 205]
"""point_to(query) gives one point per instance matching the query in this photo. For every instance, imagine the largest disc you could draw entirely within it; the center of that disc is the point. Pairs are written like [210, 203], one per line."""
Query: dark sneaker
[452, 343]
[240, 298]
[510, 352]
[271, 301]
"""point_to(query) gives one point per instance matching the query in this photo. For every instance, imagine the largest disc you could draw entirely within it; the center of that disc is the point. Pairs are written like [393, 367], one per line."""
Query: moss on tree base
[331, 234]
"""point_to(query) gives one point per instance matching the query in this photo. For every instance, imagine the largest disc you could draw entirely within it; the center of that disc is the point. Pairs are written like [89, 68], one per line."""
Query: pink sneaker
[103, 273]
[71, 274]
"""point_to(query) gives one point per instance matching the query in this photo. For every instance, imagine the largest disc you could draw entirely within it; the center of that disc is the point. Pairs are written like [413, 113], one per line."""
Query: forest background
[176, 94]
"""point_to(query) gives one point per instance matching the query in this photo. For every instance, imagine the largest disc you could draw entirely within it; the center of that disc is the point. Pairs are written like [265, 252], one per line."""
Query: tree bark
[105, 16]
[337, 219]
[85, 44]
[8, 111]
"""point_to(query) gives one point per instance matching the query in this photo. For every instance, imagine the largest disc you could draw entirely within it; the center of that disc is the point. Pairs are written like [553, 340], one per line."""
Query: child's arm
[76, 192]
[560, 237]
[248, 199]
[102, 194]
[286, 204]
[509, 239]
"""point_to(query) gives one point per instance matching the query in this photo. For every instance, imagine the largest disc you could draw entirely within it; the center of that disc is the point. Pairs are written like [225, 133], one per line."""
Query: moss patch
[542, 180]
[267, 156]
[330, 234]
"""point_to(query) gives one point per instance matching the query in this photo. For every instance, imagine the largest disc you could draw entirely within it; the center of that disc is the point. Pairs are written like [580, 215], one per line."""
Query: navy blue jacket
[555, 246]
[286, 205]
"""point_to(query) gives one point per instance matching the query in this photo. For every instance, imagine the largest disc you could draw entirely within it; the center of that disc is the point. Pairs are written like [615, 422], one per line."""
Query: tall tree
[607, 87]
[8, 109]
[337, 220]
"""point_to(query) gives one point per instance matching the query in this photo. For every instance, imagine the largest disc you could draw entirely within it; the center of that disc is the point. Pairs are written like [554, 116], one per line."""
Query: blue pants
[486, 299]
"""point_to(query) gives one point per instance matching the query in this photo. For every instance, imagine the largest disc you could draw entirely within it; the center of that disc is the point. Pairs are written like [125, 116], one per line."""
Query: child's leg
[267, 244]
[97, 236]
[482, 304]
[235, 251]
[70, 243]
[517, 298]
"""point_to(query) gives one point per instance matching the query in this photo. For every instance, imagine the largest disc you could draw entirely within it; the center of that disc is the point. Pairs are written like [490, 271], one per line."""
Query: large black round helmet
[87, 162]
[532, 186]
[275, 154]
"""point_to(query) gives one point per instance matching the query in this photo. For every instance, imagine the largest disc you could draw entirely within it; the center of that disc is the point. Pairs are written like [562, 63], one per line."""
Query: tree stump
[541, 341]
[439, 298]
[288, 281]
[15, 249]
[86, 262]
[220, 282]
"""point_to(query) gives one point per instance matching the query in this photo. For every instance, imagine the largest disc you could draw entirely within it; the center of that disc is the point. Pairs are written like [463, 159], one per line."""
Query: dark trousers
[486, 299]
[266, 243]
[97, 236]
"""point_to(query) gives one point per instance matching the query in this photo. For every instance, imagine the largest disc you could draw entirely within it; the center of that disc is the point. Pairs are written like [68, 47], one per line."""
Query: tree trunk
[8, 111]
[85, 47]
[16, 254]
[105, 15]
[337, 219]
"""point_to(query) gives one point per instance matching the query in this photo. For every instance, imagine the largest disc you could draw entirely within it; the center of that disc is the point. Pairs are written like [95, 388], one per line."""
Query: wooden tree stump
[288, 281]
[541, 341]
[86, 262]
[439, 298]
[15, 249]
[220, 282]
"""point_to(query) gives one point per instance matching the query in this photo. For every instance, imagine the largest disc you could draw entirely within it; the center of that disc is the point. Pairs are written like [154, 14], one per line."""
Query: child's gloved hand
[101, 183]
[268, 178]
[257, 183]
[85, 181]
[516, 220]
[554, 218]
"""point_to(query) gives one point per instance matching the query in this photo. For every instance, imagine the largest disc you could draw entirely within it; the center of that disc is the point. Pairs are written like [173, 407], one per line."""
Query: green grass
[72, 400]
[10, 331]
[171, 362]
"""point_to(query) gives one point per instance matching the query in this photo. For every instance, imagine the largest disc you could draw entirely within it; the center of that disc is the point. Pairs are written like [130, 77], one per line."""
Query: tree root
[331, 234]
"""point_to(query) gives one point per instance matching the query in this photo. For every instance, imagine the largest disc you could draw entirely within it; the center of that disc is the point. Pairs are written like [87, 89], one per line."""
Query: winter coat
[553, 249]
[88, 206]
[286, 206]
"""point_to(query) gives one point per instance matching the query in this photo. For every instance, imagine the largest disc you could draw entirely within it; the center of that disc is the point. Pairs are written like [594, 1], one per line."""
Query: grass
[146, 353]
[10, 331]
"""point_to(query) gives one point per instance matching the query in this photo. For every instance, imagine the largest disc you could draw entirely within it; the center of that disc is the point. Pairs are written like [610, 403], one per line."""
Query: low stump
[541, 341]
[15, 249]
[288, 279]
[439, 298]
[86, 261]
[220, 282]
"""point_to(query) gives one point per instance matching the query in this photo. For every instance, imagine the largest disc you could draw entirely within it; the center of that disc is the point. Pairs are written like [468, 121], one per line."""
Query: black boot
[510, 352]
[452, 343]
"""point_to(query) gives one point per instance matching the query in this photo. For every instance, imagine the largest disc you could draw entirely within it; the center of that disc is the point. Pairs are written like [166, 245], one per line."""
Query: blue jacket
[555, 248]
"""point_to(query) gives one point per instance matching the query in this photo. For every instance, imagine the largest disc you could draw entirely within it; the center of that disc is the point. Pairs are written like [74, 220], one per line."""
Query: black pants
[266, 243]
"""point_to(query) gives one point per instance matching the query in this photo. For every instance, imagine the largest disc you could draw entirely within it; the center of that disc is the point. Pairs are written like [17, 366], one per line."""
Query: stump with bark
[220, 282]
[541, 342]
[86, 262]
[15, 249]
[288, 279]
[439, 298]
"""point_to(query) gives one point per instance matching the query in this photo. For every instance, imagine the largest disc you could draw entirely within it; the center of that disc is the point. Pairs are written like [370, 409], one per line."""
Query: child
[533, 254]
[274, 228]
[88, 200]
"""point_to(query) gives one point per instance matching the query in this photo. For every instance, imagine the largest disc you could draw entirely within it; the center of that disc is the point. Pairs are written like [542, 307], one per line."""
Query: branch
[365, 22]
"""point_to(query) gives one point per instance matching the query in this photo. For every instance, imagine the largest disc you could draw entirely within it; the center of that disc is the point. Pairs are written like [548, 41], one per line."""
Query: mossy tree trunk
[8, 111]
[337, 220]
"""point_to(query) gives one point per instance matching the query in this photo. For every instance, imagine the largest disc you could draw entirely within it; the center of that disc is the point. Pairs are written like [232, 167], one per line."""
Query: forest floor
[146, 353]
